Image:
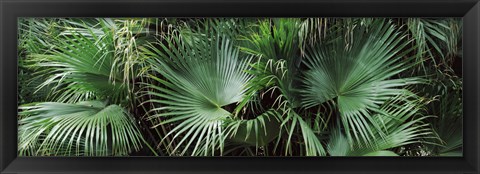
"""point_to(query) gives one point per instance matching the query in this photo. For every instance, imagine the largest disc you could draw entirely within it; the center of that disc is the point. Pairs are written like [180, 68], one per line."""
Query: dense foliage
[240, 87]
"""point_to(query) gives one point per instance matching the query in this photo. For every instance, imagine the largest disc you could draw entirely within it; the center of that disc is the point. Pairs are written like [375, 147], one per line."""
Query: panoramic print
[240, 87]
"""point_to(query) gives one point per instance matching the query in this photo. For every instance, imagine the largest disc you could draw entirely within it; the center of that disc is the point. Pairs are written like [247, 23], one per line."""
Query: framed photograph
[209, 86]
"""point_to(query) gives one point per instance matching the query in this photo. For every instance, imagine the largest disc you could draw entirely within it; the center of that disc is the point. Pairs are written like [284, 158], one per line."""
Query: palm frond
[437, 41]
[403, 124]
[359, 77]
[448, 107]
[89, 128]
[256, 132]
[276, 39]
[199, 80]
[87, 65]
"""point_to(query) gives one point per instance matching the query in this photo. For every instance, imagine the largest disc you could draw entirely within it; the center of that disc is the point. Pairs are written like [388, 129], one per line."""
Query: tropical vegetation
[240, 87]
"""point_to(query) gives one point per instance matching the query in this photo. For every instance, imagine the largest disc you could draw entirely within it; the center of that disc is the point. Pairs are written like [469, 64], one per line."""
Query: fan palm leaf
[359, 76]
[403, 124]
[89, 128]
[89, 63]
[199, 80]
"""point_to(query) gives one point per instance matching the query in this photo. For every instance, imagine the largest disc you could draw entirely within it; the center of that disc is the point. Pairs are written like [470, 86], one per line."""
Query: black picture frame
[10, 10]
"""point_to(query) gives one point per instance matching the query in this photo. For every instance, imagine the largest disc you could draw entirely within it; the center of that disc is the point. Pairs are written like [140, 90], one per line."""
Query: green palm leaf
[402, 122]
[437, 41]
[276, 39]
[256, 132]
[448, 106]
[359, 76]
[276, 45]
[199, 80]
[79, 69]
[88, 128]
[89, 63]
